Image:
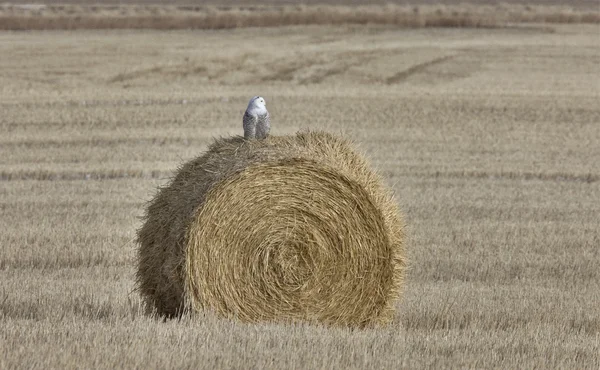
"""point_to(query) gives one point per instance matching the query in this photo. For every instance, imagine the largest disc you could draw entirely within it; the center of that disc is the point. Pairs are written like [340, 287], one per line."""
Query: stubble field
[489, 138]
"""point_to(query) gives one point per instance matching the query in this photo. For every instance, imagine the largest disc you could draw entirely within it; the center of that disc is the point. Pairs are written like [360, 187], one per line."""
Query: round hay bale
[283, 229]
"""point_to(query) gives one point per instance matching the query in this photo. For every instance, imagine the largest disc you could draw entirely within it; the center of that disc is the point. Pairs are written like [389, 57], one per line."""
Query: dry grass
[306, 232]
[74, 17]
[490, 139]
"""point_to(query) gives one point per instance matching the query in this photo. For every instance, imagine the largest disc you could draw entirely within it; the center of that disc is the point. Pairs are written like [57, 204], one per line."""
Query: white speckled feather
[256, 120]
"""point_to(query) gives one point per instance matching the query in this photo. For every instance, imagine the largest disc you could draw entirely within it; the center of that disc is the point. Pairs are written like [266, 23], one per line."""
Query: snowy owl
[257, 122]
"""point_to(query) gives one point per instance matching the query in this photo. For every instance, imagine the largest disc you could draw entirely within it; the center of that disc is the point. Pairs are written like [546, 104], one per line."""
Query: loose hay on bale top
[284, 229]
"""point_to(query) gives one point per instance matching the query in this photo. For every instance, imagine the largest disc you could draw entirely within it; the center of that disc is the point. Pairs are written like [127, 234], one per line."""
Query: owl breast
[263, 126]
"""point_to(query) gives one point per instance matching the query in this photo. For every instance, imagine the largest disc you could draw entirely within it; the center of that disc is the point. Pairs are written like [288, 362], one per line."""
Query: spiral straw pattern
[290, 228]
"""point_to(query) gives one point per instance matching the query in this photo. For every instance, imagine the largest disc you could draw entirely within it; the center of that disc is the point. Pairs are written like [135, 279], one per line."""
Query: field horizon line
[15, 17]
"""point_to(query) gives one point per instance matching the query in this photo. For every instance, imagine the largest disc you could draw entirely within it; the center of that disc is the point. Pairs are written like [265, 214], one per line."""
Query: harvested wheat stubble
[284, 229]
